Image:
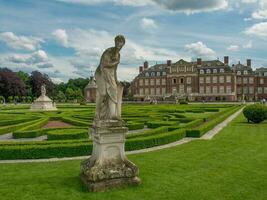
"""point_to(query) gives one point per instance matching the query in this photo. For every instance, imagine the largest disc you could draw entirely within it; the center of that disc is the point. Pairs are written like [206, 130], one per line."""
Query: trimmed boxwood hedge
[67, 134]
[135, 125]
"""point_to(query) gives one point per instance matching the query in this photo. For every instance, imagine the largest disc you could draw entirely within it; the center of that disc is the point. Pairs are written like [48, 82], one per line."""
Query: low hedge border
[67, 134]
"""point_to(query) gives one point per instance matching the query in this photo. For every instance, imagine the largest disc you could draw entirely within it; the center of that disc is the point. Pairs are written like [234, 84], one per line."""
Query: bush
[135, 125]
[183, 102]
[255, 113]
[67, 134]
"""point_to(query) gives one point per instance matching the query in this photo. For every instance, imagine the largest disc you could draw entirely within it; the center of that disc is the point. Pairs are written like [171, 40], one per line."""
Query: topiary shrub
[255, 113]
[67, 134]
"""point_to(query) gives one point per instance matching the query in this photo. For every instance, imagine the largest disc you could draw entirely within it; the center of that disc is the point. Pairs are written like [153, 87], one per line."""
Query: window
[201, 79]
[239, 90]
[146, 91]
[214, 79]
[228, 79]
[158, 73]
[201, 90]
[265, 73]
[239, 80]
[152, 73]
[260, 90]
[221, 89]
[141, 91]
[163, 81]
[146, 82]
[174, 81]
[238, 73]
[174, 90]
[261, 81]
[228, 90]
[208, 79]
[215, 71]
[251, 80]
[221, 70]
[189, 80]
[147, 74]
[182, 69]
[189, 69]
[152, 81]
[201, 71]
[208, 71]
[251, 90]
[152, 91]
[214, 89]
[157, 81]
[141, 82]
[245, 80]
[208, 90]
[181, 88]
[189, 89]
[157, 91]
[245, 72]
[163, 90]
[265, 90]
[221, 79]
[163, 73]
[245, 90]
[181, 80]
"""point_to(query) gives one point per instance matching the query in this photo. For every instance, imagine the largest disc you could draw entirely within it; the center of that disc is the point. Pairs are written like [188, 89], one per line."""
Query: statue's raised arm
[109, 91]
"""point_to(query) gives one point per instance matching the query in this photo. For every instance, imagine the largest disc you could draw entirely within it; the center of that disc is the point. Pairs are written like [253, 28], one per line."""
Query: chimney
[145, 65]
[140, 69]
[249, 62]
[199, 61]
[169, 63]
[226, 60]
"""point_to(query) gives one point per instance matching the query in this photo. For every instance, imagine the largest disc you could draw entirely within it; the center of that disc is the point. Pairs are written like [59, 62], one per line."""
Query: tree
[70, 94]
[11, 84]
[37, 79]
[61, 96]
[25, 77]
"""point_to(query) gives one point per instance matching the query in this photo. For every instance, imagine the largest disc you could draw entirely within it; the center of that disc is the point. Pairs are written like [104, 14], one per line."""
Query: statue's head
[119, 41]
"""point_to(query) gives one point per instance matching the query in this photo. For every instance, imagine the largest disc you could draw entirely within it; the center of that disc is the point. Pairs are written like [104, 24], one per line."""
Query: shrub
[135, 125]
[255, 113]
[67, 134]
[183, 102]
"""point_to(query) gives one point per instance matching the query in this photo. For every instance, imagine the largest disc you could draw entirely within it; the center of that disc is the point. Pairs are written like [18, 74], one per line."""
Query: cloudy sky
[65, 38]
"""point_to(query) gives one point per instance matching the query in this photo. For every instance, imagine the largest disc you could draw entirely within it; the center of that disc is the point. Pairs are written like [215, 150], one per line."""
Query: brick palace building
[211, 80]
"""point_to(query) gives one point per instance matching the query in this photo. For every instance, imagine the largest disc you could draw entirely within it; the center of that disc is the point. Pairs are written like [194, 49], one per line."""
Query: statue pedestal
[108, 166]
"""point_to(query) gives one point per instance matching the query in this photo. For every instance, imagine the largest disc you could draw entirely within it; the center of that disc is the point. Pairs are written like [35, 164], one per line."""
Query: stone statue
[108, 166]
[109, 89]
[43, 90]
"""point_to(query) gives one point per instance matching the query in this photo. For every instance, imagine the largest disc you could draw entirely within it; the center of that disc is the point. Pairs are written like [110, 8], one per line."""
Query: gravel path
[209, 135]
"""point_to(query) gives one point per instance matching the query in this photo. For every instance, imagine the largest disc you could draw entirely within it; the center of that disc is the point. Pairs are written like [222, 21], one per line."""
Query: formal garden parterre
[149, 125]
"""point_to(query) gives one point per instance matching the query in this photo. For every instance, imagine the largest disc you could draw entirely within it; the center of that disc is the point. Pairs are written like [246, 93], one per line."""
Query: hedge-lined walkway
[209, 135]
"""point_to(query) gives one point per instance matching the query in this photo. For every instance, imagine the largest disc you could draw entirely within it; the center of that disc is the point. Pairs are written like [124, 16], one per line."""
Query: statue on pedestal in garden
[108, 167]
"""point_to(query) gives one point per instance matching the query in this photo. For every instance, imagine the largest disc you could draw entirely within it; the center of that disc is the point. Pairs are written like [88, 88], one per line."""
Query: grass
[230, 166]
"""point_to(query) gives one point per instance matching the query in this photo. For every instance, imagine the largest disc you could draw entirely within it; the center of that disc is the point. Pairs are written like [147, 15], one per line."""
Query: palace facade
[211, 80]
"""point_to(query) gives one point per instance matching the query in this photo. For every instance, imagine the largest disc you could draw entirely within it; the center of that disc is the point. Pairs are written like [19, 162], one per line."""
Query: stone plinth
[108, 166]
[43, 103]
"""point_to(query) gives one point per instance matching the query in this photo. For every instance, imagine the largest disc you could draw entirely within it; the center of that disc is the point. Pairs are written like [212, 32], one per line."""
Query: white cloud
[258, 30]
[34, 58]
[61, 37]
[20, 42]
[148, 23]
[259, 14]
[233, 48]
[247, 45]
[199, 49]
[188, 6]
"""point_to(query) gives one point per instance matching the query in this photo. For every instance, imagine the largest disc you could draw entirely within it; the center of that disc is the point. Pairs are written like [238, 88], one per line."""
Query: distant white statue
[43, 90]
[109, 89]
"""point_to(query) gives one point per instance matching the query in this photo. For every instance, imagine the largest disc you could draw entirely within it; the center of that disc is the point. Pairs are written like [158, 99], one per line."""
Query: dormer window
[245, 72]
[201, 71]
[163, 73]
[158, 73]
[238, 72]
[152, 73]
[221, 70]
[215, 71]
[147, 74]
[208, 71]
[265, 73]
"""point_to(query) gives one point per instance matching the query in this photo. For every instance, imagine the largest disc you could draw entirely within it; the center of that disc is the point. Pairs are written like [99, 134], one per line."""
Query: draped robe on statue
[109, 90]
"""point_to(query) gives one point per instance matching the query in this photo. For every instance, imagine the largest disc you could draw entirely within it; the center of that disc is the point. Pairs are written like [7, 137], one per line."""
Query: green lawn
[233, 165]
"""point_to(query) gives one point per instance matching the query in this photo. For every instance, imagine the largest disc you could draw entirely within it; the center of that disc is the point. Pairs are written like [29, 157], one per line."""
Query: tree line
[22, 87]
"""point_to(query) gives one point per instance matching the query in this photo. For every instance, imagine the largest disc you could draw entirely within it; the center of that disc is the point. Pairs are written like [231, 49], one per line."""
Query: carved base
[108, 166]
